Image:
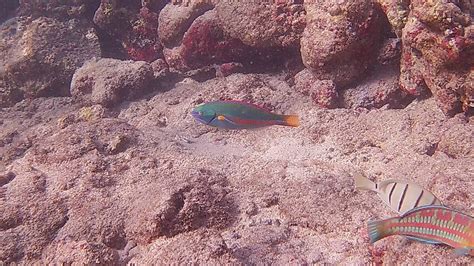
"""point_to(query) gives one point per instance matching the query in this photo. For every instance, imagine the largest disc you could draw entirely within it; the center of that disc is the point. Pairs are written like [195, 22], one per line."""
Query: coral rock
[339, 40]
[174, 20]
[262, 24]
[70, 252]
[32, 202]
[132, 25]
[397, 13]
[111, 81]
[58, 9]
[194, 40]
[204, 44]
[202, 246]
[381, 88]
[323, 92]
[160, 68]
[390, 52]
[39, 57]
[227, 69]
[458, 141]
[154, 5]
[438, 53]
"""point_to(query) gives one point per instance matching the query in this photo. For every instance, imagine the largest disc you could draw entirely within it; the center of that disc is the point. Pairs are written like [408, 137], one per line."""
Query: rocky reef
[102, 163]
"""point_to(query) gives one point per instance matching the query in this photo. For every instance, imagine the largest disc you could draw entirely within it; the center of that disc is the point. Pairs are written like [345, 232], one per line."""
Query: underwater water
[236, 132]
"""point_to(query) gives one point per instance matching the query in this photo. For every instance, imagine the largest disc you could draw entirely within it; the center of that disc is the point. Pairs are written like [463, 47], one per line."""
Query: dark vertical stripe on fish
[419, 198]
[400, 203]
[434, 200]
[391, 192]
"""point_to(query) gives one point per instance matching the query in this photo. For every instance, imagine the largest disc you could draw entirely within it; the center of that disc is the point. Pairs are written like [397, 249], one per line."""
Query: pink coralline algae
[142, 42]
[133, 26]
[263, 24]
[339, 40]
[438, 53]
[397, 12]
[323, 92]
[204, 43]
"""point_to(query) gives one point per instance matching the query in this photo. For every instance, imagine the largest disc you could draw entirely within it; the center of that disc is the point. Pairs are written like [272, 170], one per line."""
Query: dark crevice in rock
[10, 222]
[117, 241]
[61, 223]
[176, 204]
[91, 8]
[7, 8]
[6, 178]
[110, 46]
[432, 149]
[198, 11]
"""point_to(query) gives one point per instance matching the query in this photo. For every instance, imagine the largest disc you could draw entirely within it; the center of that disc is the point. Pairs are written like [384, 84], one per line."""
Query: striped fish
[401, 196]
[429, 224]
[240, 115]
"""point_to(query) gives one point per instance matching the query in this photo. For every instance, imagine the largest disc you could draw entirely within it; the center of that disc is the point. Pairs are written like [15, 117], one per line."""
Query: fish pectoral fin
[423, 240]
[227, 119]
[462, 251]
[363, 183]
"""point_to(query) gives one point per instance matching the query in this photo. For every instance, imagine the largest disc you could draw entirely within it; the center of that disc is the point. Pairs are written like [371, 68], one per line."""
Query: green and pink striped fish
[240, 115]
[432, 224]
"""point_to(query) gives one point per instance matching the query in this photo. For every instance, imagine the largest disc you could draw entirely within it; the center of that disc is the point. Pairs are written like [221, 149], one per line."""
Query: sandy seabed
[144, 183]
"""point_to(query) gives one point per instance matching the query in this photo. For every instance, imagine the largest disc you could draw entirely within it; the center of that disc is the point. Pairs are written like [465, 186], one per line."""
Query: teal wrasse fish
[431, 224]
[400, 195]
[240, 115]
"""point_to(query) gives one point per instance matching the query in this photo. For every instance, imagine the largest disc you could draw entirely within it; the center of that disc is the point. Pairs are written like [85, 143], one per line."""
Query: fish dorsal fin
[390, 181]
[385, 183]
[426, 207]
[245, 103]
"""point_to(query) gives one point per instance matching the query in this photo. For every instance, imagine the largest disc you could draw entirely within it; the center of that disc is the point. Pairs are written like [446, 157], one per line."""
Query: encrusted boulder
[58, 9]
[458, 141]
[341, 38]
[133, 26]
[397, 13]
[174, 20]
[195, 39]
[379, 89]
[263, 24]
[110, 81]
[323, 92]
[38, 57]
[204, 44]
[438, 53]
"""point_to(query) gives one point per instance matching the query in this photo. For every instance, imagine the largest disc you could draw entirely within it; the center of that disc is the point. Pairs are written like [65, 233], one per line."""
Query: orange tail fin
[291, 120]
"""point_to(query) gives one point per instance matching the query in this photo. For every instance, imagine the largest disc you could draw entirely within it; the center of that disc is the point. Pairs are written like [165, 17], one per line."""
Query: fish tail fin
[291, 120]
[363, 183]
[377, 230]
